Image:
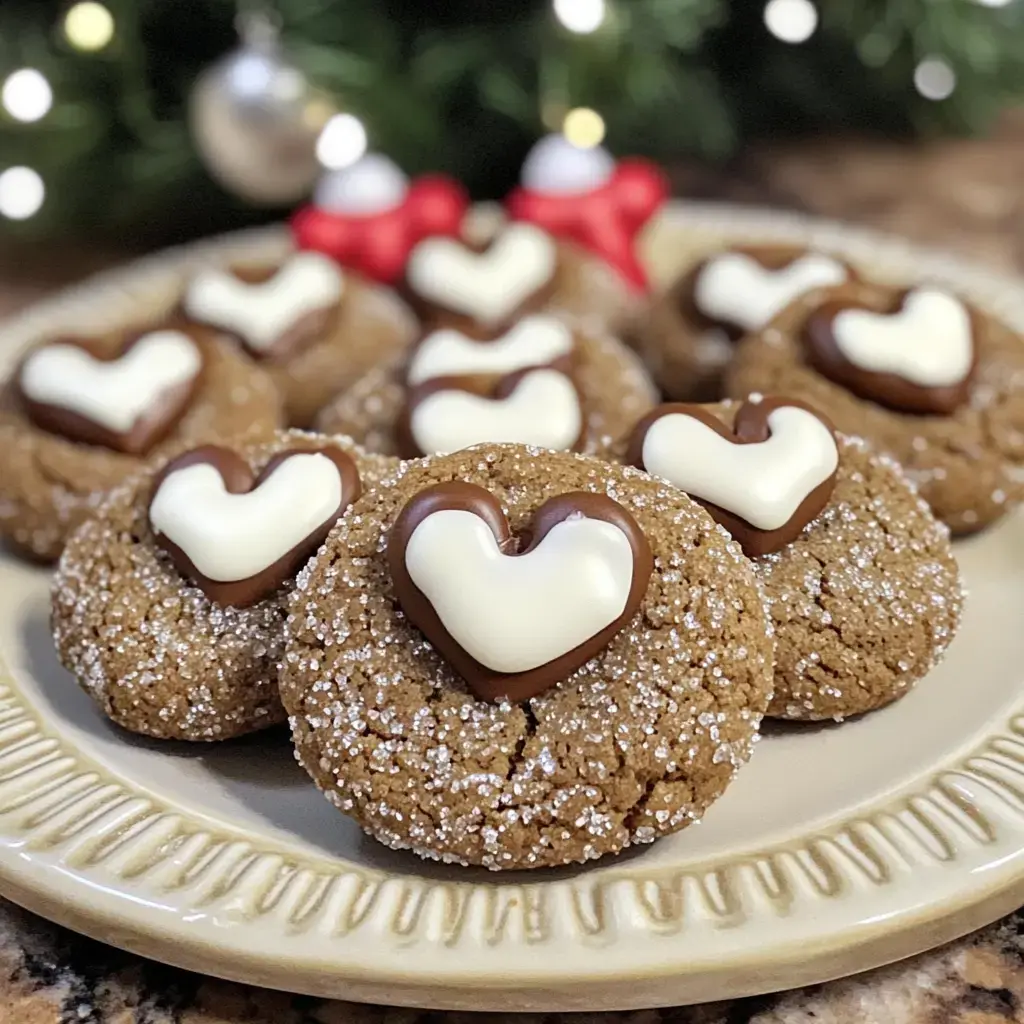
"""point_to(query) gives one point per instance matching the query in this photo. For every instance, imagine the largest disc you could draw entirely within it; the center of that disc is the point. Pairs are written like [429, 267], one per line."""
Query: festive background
[96, 97]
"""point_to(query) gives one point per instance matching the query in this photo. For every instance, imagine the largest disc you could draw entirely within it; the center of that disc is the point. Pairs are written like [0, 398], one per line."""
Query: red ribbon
[606, 220]
[378, 245]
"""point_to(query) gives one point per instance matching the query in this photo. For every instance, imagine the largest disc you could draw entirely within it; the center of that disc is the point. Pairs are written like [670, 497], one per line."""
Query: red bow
[606, 220]
[378, 245]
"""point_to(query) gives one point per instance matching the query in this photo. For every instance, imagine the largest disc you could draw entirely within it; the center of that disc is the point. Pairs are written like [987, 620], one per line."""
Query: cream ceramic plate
[837, 849]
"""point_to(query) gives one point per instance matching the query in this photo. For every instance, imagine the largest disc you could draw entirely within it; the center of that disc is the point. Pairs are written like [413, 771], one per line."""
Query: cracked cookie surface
[157, 655]
[865, 600]
[635, 744]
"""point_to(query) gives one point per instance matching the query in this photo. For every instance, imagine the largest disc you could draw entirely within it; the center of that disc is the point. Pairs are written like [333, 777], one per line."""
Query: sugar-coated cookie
[920, 374]
[516, 659]
[313, 326]
[169, 603]
[689, 336]
[80, 414]
[488, 281]
[861, 583]
[538, 381]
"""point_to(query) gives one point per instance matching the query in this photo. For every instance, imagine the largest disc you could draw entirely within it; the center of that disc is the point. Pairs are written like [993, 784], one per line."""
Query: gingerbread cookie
[80, 414]
[169, 604]
[313, 326]
[860, 580]
[487, 281]
[920, 374]
[539, 381]
[689, 335]
[519, 659]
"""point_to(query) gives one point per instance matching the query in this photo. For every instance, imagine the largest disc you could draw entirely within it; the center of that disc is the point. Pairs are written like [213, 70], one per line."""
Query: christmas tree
[95, 137]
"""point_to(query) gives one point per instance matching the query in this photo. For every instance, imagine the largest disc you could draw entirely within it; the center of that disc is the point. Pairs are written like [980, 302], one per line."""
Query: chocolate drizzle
[482, 681]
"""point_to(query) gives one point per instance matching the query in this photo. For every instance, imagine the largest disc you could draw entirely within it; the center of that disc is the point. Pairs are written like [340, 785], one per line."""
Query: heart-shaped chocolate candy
[916, 355]
[764, 480]
[126, 400]
[538, 406]
[742, 289]
[514, 271]
[537, 340]
[274, 312]
[238, 536]
[515, 623]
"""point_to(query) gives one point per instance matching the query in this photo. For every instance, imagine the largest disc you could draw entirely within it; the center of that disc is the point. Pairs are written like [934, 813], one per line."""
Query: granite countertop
[49, 976]
[961, 194]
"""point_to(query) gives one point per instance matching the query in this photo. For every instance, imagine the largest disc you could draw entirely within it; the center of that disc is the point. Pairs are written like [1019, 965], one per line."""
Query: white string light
[584, 128]
[580, 16]
[26, 95]
[88, 26]
[21, 193]
[934, 79]
[792, 21]
[342, 142]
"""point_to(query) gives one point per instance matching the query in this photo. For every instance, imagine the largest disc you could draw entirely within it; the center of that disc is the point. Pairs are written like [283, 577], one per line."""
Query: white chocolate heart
[543, 410]
[260, 313]
[763, 483]
[231, 537]
[487, 286]
[736, 289]
[533, 341]
[928, 342]
[113, 393]
[515, 613]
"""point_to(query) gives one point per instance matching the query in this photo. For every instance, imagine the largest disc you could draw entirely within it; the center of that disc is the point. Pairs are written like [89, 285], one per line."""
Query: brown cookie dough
[688, 351]
[591, 293]
[867, 597]
[368, 324]
[147, 645]
[49, 484]
[967, 465]
[612, 383]
[636, 744]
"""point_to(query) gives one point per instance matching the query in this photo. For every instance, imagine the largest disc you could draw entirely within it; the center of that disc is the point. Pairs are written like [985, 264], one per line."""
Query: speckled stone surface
[49, 976]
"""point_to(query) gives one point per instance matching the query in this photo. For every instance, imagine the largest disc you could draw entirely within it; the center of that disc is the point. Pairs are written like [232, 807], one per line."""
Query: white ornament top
[260, 313]
[231, 537]
[534, 341]
[928, 342]
[554, 165]
[543, 410]
[736, 289]
[112, 393]
[373, 184]
[487, 286]
[515, 613]
[763, 483]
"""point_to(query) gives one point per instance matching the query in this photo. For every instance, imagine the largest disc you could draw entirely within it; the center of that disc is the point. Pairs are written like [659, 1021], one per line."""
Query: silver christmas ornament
[255, 120]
